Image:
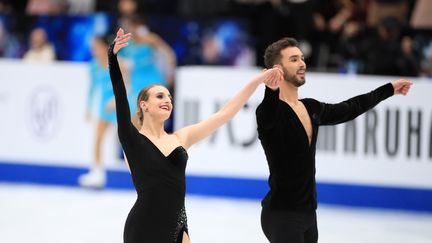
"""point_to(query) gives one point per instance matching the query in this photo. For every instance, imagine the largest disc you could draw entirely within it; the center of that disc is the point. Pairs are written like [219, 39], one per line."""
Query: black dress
[158, 215]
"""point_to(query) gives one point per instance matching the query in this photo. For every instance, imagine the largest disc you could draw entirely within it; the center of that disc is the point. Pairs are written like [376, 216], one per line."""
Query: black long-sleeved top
[158, 214]
[290, 158]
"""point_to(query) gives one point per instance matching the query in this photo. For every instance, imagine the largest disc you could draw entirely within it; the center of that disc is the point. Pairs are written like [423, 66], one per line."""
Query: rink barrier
[412, 199]
[381, 159]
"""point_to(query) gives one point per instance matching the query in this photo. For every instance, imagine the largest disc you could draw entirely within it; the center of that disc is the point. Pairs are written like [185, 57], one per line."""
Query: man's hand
[121, 40]
[401, 86]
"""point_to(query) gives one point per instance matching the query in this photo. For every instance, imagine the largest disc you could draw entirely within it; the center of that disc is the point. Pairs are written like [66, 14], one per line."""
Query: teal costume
[100, 87]
[143, 70]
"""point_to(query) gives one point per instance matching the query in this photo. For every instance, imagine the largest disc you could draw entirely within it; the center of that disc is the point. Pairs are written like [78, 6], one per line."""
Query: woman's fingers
[120, 32]
[272, 79]
[122, 44]
[123, 37]
[122, 41]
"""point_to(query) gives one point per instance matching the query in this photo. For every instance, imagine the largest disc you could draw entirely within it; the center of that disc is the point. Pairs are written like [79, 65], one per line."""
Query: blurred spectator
[270, 20]
[80, 6]
[155, 47]
[426, 64]
[41, 50]
[387, 52]
[10, 44]
[329, 19]
[349, 46]
[46, 7]
[106, 5]
[202, 7]
[12, 6]
[6, 6]
[334, 34]
[331, 15]
[422, 17]
[299, 15]
[165, 7]
[126, 9]
[226, 44]
[379, 9]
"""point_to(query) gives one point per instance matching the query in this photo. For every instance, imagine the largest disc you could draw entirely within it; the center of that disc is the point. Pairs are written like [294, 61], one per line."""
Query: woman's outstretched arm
[194, 133]
[122, 106]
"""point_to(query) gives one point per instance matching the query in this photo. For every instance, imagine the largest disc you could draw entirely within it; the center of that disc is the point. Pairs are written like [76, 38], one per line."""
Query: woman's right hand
[272, 77]
[121, 40]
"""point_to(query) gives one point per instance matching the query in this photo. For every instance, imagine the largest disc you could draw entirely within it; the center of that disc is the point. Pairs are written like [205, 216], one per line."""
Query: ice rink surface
[44, 214]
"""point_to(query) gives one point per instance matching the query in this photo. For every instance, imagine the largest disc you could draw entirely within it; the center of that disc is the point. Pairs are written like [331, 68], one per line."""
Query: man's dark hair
[273, 55]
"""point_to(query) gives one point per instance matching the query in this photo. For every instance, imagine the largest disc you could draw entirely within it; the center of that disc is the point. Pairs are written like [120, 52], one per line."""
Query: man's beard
[292, 78]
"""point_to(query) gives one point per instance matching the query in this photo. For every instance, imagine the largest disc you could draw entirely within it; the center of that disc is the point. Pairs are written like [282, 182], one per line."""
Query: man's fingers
[406, 81]
[404, 87]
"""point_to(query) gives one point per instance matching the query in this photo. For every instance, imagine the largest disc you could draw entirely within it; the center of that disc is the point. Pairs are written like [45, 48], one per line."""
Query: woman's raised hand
[121, 40]
[272, 77]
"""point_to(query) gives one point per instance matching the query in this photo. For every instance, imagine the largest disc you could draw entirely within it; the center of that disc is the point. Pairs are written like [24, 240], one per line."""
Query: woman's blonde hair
[143, 96]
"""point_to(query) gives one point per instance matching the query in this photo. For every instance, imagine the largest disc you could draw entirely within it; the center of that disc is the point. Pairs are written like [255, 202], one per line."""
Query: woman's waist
[161, 200]
[157, 189]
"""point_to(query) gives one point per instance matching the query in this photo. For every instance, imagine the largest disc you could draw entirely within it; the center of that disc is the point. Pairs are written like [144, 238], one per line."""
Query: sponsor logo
[43, 112]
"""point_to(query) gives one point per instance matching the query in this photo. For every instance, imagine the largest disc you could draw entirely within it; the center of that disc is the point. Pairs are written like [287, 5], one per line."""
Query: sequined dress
[158, 215]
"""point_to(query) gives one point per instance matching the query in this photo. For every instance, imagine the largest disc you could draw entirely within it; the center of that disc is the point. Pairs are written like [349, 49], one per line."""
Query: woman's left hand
[121, 40]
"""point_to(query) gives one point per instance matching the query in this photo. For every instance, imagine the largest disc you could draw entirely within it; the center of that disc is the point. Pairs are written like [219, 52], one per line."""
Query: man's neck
[288, 93]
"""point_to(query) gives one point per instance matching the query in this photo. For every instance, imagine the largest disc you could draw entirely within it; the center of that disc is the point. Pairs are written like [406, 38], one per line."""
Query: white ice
[43, 214]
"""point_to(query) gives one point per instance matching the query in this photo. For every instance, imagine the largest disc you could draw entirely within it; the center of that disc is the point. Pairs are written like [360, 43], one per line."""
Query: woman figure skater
[157, 160]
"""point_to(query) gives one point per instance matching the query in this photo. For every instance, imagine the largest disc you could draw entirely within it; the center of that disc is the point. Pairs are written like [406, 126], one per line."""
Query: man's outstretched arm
[331, 114]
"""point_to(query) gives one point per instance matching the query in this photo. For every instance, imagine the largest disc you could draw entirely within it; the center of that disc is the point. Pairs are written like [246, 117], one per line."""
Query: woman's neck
[153, 129]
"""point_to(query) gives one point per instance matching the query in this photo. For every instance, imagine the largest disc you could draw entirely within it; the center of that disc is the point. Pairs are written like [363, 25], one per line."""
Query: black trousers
[281, 226]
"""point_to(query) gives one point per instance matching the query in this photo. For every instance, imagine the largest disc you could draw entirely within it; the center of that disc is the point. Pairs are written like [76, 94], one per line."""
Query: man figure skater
[288, 129]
